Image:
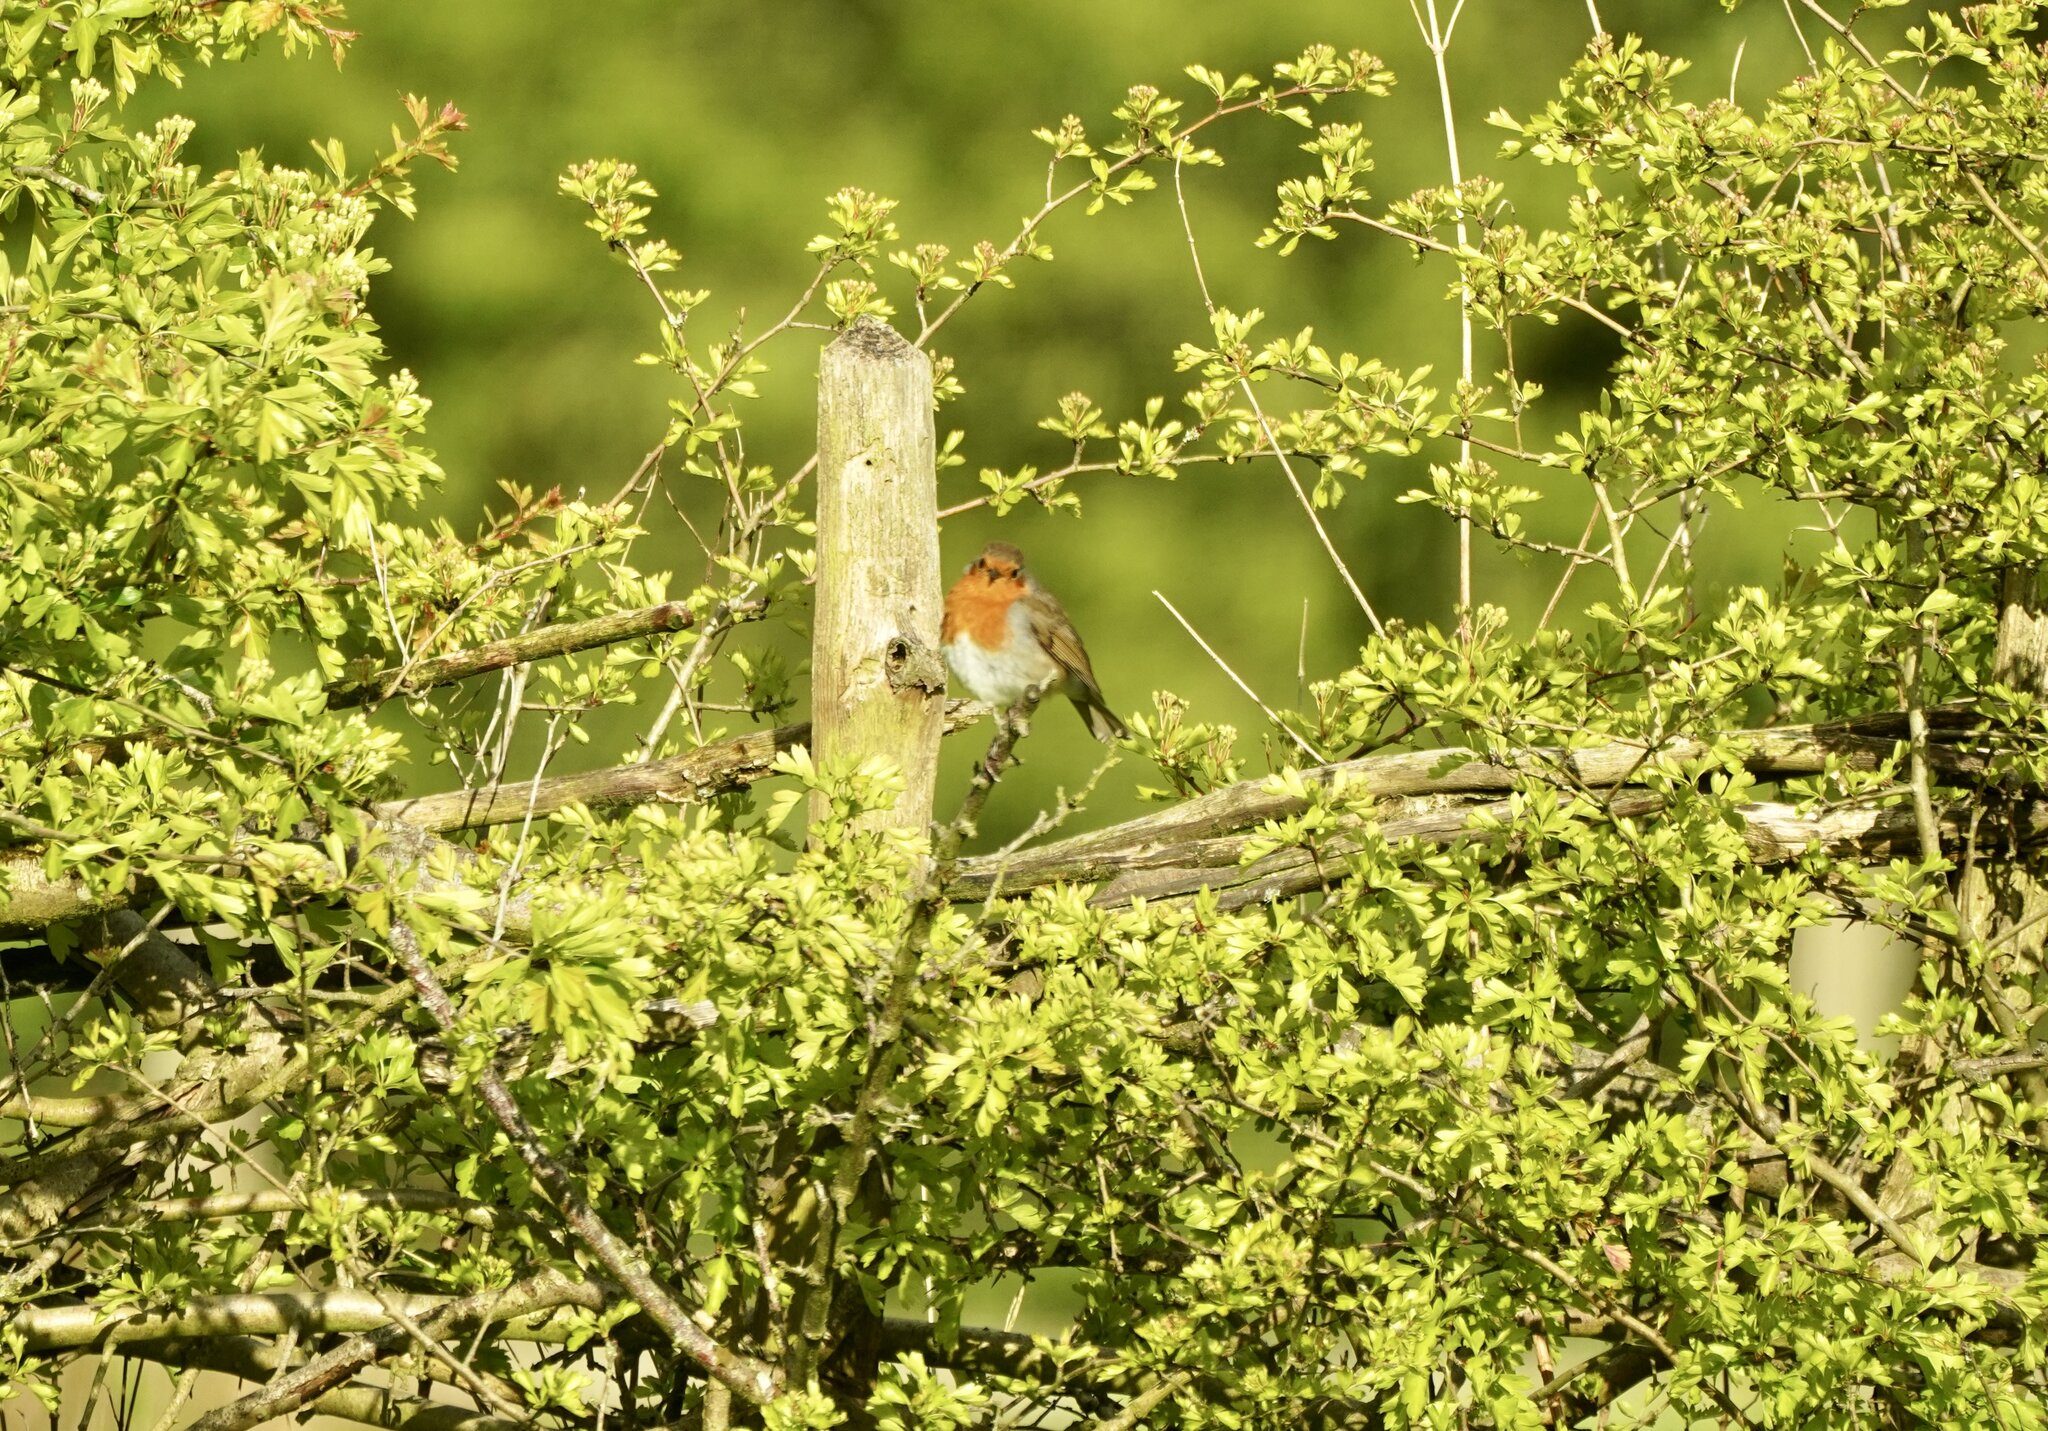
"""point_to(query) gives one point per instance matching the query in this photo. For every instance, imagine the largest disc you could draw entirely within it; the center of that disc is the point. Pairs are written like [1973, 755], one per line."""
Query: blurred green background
[746, 117]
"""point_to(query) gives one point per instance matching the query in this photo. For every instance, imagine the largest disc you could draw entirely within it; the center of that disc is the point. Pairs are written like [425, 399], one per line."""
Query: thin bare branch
[1437, 37]
[1272, 441]
[755, 1381]
[1253, 696]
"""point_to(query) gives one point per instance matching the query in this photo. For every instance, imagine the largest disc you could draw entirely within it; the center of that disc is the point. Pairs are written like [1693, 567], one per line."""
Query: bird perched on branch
[1005, 634]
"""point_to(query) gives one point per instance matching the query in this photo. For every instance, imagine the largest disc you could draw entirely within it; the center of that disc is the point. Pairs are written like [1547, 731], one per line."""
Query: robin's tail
[1102, 721]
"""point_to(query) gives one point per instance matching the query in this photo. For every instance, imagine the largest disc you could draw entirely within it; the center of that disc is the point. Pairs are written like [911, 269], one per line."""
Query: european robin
[1004, 634]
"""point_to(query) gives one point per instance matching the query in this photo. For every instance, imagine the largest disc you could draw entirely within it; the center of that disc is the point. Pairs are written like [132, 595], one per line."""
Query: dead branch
[1188, 848]
[715, 769]
[288, 1392]
[83, 1326]
[269, 1201]
[167, 989]
[33, 899]
[363, 687]
[251, 1360]
[1179, 850]
[1774, 833]
[1864, 744]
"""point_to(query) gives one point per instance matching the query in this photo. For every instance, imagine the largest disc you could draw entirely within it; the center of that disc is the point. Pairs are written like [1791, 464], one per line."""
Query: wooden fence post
[878, 683]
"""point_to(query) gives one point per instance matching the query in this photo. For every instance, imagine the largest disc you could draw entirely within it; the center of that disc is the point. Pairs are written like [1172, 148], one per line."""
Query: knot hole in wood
[910, 665]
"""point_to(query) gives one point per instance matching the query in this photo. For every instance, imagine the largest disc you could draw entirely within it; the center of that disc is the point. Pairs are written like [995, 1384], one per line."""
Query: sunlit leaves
[1361, 1154]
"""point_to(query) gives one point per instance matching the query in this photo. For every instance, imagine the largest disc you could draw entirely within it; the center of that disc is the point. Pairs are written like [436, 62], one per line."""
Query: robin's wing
[1058, 639]
[1056, 636]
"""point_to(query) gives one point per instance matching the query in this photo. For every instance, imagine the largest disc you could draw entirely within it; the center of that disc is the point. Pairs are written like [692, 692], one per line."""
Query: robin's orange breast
[978, 609]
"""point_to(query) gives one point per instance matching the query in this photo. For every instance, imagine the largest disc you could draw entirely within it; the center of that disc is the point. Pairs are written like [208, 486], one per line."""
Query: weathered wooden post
[878, 684]
[878, 689]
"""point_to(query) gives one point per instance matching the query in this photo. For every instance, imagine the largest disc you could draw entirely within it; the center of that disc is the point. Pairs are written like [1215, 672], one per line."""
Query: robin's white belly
[1001, 677]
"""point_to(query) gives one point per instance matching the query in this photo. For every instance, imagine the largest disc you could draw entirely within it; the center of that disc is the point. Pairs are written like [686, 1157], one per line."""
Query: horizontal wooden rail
[1198, 843]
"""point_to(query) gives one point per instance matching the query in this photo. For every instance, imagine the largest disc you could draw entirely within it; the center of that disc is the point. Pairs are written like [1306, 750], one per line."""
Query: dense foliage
[1458, 1082]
